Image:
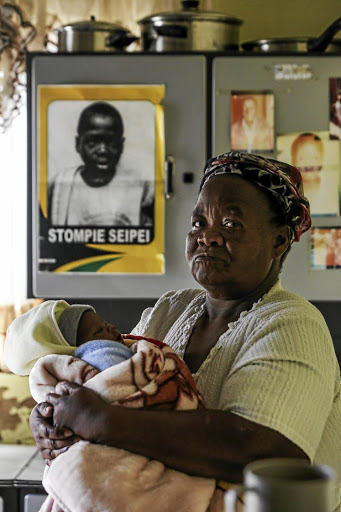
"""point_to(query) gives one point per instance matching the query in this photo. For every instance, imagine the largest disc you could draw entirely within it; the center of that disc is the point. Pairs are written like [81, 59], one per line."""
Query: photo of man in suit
[250, 130]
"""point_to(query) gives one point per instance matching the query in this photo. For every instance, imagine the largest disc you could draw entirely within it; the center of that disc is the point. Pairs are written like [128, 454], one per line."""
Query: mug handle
[232, 496]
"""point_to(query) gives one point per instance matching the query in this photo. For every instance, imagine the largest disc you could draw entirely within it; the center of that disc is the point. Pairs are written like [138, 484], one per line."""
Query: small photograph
[326, 248]
[335, 107]
[252, 121]
[318, 159]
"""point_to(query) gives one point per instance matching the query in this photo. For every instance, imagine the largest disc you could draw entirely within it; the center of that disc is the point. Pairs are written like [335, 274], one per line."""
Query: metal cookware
[189, 29]
[93, 36]
[323, 43]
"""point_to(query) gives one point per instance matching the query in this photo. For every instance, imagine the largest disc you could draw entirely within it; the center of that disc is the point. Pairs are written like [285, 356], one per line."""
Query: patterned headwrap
[282, 180]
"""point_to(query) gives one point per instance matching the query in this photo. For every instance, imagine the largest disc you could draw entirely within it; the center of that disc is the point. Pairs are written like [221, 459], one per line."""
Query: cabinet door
[300, 88]
[33, 502]
[8, 498]
[184, 78]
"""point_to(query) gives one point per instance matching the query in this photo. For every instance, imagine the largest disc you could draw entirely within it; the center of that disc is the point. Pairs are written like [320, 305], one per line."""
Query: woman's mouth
[209, 258]
[206, 257]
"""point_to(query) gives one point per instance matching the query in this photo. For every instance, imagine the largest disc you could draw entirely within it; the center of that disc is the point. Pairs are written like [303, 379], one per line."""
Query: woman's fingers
[55, 447]
[62, 388]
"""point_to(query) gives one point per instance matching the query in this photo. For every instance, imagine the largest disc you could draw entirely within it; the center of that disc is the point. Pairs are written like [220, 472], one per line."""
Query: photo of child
[318, 159]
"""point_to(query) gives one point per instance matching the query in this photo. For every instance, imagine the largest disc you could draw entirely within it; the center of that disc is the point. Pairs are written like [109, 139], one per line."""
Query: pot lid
[190, 12]
[92, 25]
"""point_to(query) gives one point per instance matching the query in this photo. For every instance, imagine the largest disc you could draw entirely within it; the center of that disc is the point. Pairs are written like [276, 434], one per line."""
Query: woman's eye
[231, 224]
[196, 224]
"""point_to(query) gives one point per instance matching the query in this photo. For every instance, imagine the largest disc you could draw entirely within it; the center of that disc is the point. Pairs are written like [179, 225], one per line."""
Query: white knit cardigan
[275, 365]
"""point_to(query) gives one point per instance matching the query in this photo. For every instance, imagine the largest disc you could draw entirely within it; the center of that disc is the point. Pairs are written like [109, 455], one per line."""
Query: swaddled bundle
[91, 477]
[137, 372]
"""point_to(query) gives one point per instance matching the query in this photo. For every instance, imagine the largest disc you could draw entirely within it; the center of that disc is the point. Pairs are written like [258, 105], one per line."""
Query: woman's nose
[210, 237]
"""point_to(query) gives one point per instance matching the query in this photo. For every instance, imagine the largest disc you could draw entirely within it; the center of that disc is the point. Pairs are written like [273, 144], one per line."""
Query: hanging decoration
[15, 34]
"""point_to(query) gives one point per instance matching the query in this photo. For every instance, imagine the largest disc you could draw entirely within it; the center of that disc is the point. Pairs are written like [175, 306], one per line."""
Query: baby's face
[94, 327]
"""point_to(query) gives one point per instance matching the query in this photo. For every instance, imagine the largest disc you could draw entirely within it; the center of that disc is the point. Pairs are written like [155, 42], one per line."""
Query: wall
[275, 18]
[261, 18]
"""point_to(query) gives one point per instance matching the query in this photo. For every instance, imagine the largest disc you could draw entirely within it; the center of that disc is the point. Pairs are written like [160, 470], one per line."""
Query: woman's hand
[79, 409]
[51, 440]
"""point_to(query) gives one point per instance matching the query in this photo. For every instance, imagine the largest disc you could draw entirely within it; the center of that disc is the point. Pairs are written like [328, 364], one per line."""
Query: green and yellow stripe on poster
[101, 152]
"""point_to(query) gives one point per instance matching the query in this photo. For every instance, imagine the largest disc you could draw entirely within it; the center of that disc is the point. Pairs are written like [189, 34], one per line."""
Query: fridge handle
[169, 167]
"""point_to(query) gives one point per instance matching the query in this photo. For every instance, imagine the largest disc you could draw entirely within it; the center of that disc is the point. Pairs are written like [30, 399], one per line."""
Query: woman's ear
[281, 241]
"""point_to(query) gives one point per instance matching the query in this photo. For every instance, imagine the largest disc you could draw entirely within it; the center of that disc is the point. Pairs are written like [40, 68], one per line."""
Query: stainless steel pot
[189, 30]
[323, 43]
[93, 36]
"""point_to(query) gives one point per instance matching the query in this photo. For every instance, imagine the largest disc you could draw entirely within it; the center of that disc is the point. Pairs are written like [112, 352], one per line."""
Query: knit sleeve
[285, 378]
[165, 317]
[140, 328]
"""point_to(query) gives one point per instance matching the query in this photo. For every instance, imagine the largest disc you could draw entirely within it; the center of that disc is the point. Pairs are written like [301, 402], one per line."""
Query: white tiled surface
[13, 458]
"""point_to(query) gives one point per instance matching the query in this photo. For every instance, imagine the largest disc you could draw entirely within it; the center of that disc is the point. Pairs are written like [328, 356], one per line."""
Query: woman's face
[231, 245]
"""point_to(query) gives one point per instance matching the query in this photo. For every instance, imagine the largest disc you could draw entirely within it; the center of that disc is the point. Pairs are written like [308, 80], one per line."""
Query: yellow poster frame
[113, 258]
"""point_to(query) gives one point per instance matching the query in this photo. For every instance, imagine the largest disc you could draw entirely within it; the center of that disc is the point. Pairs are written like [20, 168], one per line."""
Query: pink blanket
[96, 478]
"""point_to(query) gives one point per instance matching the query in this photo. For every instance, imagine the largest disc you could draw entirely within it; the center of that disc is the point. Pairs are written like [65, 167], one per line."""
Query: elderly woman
[262, 357]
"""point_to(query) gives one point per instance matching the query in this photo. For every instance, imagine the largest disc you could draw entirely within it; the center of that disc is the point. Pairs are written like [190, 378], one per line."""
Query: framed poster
[100, 185]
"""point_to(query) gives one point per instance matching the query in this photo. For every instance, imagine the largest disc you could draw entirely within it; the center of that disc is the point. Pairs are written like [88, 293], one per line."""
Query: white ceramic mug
[282, 485]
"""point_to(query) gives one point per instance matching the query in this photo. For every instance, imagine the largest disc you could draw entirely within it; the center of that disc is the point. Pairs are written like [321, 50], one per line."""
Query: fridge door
[300, 88]
[184, 78]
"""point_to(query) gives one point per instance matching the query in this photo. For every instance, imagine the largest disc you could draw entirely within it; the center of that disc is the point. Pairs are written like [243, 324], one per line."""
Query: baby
[152, 377]
[55, 327]
[98, 342]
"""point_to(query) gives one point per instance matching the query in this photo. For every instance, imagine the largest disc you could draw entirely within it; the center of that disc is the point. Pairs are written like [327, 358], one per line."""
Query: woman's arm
[208, 443]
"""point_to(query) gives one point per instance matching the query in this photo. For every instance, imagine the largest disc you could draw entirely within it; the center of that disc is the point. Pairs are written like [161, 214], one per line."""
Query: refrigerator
[200, 97]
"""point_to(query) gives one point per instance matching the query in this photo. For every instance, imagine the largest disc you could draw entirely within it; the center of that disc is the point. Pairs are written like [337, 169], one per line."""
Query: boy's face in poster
[100, 144]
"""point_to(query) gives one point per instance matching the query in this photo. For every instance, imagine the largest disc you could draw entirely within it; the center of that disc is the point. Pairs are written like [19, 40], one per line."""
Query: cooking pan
[93, 36]
[323, 43]
[189, 29]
